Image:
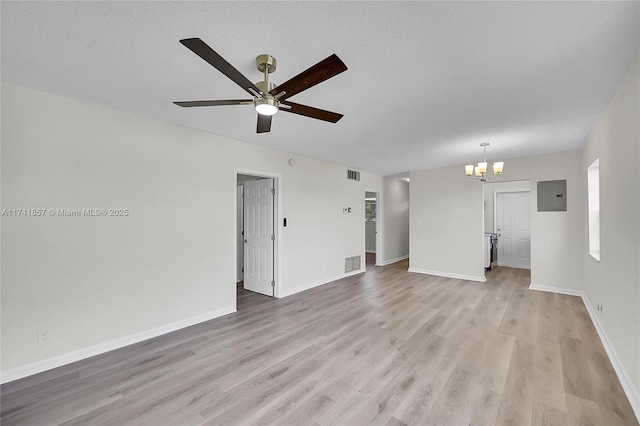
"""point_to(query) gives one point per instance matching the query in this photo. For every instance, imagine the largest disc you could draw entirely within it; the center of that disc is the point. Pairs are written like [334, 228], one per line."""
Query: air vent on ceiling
[353, 175]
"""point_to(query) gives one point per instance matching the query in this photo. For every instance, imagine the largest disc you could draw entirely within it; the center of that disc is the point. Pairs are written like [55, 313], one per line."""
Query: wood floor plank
[521, 316]
[450, 407]
[419, 400]
[543, 415]
[548, 379]
[492, 307]
[548, 318]
[387, 347]
[483, 407]
[395, 422]
[310, 409]
[517, 399]
[565, 320]
[576, 370]
[582, 412]
[497, 355]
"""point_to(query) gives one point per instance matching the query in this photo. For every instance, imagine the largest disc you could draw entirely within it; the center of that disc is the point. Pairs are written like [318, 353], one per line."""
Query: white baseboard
[68, 358]
[633, 395]
[390, 261]
[313, 284]
[558, 290]
[449, 275]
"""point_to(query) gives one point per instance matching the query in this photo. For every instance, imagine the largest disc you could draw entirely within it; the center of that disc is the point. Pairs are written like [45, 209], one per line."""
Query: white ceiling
[427, 81]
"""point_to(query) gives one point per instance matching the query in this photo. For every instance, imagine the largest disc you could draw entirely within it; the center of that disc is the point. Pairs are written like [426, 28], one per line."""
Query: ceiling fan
[267, 99]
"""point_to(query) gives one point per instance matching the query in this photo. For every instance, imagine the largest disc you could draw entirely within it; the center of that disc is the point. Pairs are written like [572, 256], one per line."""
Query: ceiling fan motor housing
[266, 61]
[265, 86]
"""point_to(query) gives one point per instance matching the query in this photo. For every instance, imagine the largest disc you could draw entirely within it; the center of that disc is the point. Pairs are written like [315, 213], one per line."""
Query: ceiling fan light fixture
[266, 105]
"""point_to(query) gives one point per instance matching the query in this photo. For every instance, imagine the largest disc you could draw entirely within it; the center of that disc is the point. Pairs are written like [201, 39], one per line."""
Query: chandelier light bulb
[468, 169]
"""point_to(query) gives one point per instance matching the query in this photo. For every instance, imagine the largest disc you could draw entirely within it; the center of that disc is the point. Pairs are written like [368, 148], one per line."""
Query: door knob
[245, 241]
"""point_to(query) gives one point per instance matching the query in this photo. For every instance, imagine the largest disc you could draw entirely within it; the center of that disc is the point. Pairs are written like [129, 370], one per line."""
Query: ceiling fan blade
[312, 112]
[323, 70]
[203, 50]
[264, 123]
[214, 103]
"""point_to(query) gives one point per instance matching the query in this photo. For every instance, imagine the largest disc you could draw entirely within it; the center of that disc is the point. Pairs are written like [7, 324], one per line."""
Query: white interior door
[259, 236]
[513, 226]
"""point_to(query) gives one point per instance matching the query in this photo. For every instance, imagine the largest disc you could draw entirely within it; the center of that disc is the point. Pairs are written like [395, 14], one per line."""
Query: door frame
[239, 218]
[378, 229]
[277, 222]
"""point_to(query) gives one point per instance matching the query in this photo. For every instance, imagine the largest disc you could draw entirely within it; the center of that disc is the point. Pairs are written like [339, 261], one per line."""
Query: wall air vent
[353, 175]
[351, 264]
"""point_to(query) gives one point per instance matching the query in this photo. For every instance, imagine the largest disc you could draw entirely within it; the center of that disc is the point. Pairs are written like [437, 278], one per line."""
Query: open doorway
[256, 233]
[371, 224]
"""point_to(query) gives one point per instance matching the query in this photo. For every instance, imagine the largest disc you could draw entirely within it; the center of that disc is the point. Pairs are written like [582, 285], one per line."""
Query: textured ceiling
[427, 81]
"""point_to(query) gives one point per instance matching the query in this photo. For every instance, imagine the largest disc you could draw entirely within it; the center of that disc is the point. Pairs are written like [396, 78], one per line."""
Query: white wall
[97, 282]
[446, 227]
[447, 222]
[556, 237]
[395, 220]
[614, 281]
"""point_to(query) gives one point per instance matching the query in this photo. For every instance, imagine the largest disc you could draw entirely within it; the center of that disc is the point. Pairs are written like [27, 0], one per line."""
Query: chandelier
[480, 171]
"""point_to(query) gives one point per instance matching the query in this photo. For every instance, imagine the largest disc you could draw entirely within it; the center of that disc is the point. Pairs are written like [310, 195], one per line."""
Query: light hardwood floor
[385, 347]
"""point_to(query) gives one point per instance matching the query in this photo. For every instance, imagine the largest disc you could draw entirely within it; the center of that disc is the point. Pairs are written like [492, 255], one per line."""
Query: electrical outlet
[43, 337]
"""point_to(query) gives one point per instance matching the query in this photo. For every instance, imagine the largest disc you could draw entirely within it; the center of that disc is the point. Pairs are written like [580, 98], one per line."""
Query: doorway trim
[379, 215]
[277, 207]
